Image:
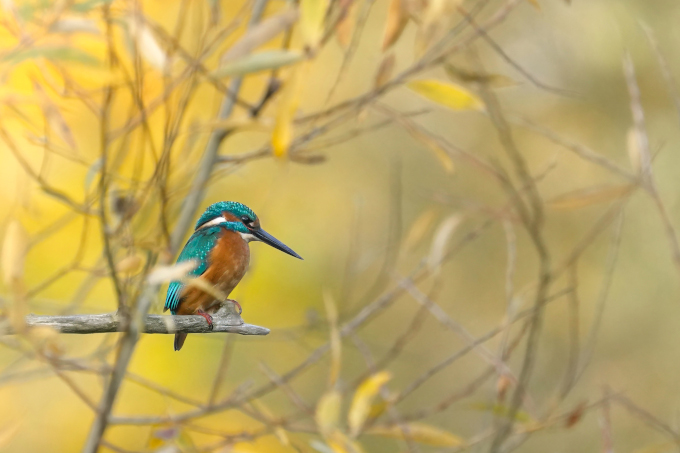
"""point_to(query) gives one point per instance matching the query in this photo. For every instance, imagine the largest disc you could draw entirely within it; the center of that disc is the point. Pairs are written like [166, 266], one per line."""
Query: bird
[220, 245]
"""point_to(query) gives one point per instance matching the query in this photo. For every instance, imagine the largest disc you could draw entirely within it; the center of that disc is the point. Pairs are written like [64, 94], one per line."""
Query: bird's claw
[240, 310]
[207, 318]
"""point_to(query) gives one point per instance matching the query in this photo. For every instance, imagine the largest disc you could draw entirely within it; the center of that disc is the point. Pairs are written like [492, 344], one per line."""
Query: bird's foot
[237, 305]
[207, 318]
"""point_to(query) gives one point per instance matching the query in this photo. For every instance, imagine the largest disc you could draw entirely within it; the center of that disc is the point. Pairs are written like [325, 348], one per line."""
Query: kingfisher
[220, 246]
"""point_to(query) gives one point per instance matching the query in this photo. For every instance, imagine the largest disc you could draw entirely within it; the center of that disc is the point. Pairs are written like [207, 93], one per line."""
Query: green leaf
[447, 94]
[69, 54]
[419, 432]
[261, 61]
[88, 5]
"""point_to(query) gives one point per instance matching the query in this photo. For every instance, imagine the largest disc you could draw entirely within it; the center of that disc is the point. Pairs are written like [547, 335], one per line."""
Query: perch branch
[223, 321]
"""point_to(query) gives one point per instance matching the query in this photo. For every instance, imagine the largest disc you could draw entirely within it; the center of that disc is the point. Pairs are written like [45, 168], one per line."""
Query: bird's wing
[198, 248]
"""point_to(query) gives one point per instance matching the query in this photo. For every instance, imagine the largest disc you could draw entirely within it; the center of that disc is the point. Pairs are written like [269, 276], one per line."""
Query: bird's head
[243, 220]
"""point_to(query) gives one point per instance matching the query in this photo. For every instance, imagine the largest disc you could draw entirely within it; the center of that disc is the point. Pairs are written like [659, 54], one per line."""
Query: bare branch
[223, 321]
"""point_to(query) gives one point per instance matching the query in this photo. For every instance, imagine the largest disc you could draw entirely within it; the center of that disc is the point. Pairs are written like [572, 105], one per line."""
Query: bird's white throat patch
[248, 237]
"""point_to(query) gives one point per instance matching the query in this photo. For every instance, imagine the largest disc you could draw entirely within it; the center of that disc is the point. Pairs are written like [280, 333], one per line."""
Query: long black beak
[271, 240]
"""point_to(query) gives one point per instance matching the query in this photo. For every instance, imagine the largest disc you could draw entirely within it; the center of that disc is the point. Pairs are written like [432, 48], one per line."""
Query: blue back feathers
[198, 247]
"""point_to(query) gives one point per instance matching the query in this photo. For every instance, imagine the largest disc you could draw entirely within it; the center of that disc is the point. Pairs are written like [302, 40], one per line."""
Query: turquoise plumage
[198, 247]
[220, 246]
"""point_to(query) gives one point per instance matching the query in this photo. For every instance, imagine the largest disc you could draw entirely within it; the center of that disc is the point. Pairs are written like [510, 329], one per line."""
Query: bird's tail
[179, 340]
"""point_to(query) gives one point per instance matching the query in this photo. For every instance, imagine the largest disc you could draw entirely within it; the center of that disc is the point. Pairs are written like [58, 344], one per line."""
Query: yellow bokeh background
[340, 210]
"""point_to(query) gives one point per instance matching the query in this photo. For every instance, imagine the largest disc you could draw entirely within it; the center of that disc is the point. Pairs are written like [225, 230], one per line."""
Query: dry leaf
[397, 18]
[363, 398]
[160, 274]
[312, 15]
[14, 249]
[336, 342]
[634, 154]
[129, 265]
[75, 25]
[441, 154]
[54, 117]
[207, 287]
[589, 196]
[8, 432]
[46, 339]
[260, 34]
[502, 386]
[419, 432]
[345, 26]
[428, 139]
[447, 94]
[282, 136]
[490, 80]
[385, 70]
[576, 415]
[147, 44]
[441, 241]
[270, 59]
[434, 22]
[535, 4]
[328, 412]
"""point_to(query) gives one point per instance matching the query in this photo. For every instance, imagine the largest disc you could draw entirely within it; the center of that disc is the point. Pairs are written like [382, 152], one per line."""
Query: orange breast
[229, 261]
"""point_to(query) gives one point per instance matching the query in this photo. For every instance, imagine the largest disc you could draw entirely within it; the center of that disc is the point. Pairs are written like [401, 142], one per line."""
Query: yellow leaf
[328, 412]
[336, 343]
[340, 443]
[282, 135]
[589, 196]
[397, 18]
[385, 70]
[419, 228]
[419, 432]
[377, 408]
[447, 94]
[312, 15]
[363, 398]
[14, 249]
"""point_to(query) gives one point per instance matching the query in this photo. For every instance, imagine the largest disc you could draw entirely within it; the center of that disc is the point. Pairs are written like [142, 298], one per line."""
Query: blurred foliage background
[376, 156]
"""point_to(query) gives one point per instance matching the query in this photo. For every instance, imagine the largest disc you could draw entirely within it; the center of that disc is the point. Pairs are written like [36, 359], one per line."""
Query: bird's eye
[247, 220]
